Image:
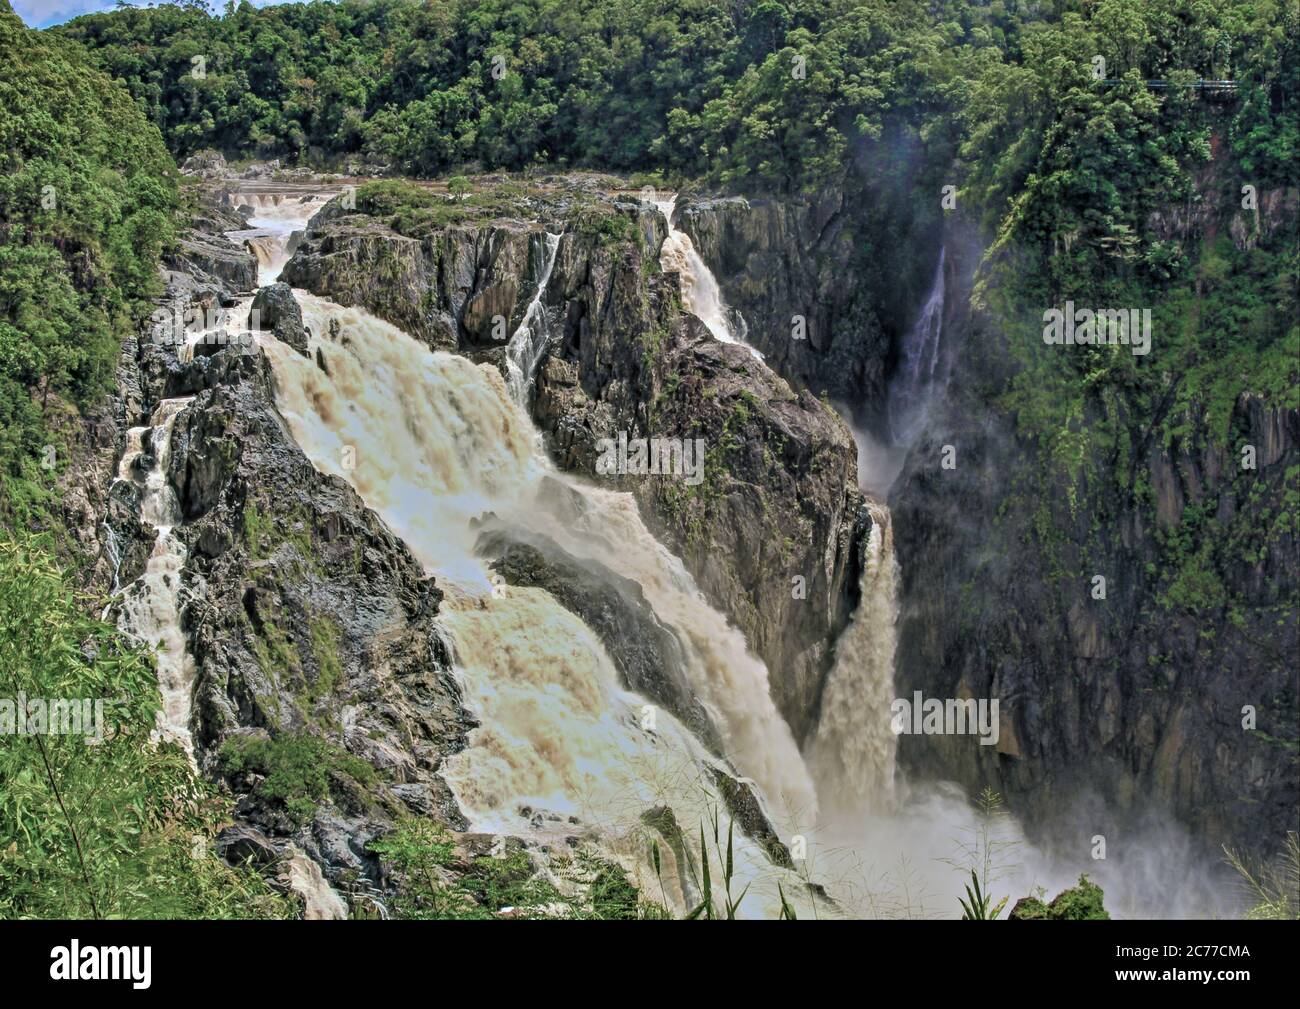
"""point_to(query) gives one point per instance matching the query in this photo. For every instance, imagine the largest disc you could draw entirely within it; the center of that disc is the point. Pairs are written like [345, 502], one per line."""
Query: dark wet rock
[778, 500]
[744, 807]
[304, 615]
[448, 290]
[277, 311]
[245, 845]
[1113, 710]
[817, 259]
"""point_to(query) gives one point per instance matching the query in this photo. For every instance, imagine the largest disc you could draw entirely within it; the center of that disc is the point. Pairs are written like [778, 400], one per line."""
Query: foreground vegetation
[105, 823]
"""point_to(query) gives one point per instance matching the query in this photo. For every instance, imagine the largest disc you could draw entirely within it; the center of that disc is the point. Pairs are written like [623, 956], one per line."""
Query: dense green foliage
[434, 883]
[757, 94]
[1082, 902]
[293, 771]
[1117, 195]
[87, 194]
[763, 94]
[101, 823]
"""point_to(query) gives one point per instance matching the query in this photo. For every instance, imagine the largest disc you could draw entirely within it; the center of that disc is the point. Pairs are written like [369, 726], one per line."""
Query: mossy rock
[1082, 902]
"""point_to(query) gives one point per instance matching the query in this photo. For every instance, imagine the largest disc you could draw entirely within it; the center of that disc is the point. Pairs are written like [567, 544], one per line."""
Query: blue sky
[43, 13]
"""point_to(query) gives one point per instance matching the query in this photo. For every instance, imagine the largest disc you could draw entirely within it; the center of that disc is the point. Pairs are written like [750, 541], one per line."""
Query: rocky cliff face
[309, 628]
[305, 618]
[770, 533]
[823, 284]
[1111, 709]
[1114, 708]
[1174, 694]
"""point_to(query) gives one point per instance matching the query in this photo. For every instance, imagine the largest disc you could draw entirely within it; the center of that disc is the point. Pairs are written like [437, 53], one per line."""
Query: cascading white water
[320, 902]
[149, 610]
[911, 389]
[701, 295]
[266, 248]
[277, 217]
[528, 342]
[730, 681]
[436, 441]
[852, 754]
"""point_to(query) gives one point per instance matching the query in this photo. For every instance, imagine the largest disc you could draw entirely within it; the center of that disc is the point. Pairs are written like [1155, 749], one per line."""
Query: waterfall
[853, 751]
[266, 248]
[320, 901]
[528, 342]
[852, 754]
[918, 372]
[149, 609]
[701, 295]
[438, 441]
[272, 227]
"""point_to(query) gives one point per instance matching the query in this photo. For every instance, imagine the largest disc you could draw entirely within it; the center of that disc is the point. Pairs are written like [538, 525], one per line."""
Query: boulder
[276, 311]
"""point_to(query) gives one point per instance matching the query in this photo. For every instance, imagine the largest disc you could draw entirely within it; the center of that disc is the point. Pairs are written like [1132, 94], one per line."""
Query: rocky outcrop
[205, 164]
[100, 512]
[320, 622]
[311, 628]
[212, 259]
[464, 287]
[770, 531]
[276, 310]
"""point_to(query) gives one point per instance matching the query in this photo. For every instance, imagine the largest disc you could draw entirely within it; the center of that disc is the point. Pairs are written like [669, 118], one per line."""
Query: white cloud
[43, 13]
[40, 13]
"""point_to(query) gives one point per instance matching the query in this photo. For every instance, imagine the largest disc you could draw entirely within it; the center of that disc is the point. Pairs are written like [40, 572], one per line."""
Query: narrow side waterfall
[918, 372]
[528, 342]
[853, 753]
[320, 902]
[436, 442]
[701, 295]
[149, 609]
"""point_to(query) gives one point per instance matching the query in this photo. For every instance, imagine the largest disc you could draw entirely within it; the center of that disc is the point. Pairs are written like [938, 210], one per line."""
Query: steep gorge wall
[852, 264]
[1116, 711]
